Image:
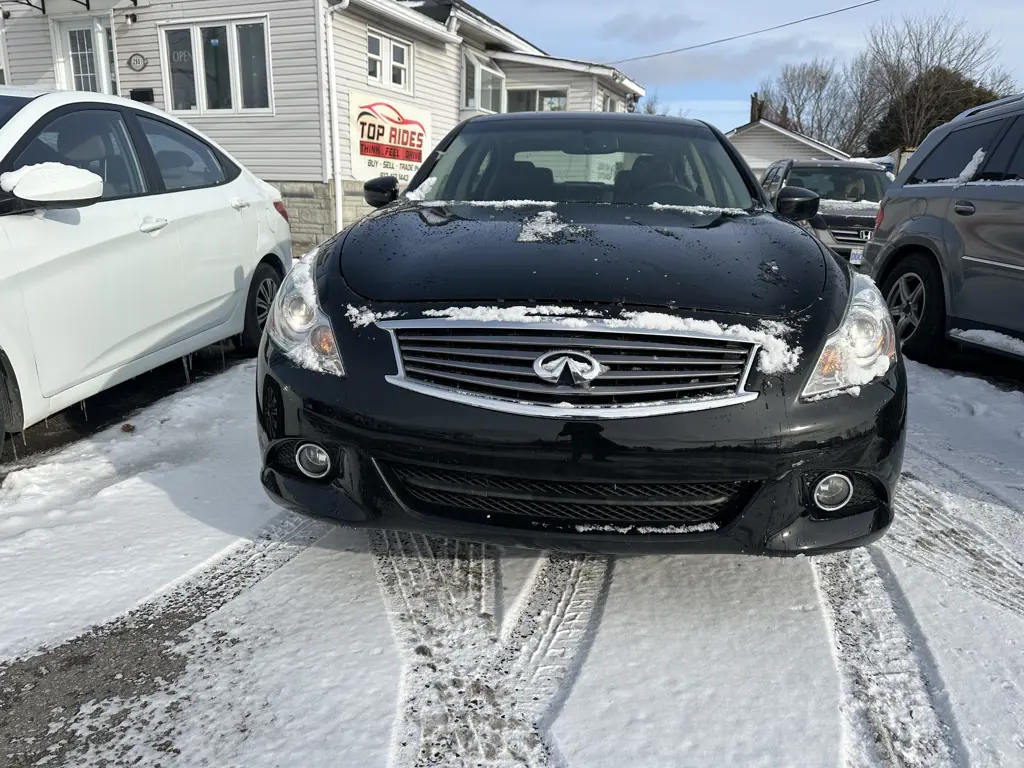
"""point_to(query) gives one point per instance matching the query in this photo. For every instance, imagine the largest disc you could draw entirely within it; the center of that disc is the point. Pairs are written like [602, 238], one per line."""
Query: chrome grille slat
[491, 365]
[544, 389]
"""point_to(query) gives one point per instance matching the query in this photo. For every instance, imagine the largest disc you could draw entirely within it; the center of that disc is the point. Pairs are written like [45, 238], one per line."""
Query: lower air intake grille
[516, 501]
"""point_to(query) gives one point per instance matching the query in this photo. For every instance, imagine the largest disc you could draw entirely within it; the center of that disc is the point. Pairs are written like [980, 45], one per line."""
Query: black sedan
[587, 332]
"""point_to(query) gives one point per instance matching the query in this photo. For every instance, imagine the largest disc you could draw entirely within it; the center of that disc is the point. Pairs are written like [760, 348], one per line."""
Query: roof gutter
[510, 39]
[553, 62]
[408, 18]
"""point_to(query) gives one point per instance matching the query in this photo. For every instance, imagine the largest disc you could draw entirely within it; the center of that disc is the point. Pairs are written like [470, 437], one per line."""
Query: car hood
[756, 264]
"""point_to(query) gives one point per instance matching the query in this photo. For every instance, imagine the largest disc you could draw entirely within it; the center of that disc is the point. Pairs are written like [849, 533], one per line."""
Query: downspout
[332, 85]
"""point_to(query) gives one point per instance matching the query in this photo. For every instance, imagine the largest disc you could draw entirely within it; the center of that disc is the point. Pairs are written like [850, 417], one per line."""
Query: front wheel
[914, 295]
[262, 290]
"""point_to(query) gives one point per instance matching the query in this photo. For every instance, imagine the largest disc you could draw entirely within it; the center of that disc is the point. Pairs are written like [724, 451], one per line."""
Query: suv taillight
[878, 218]
[279, 207]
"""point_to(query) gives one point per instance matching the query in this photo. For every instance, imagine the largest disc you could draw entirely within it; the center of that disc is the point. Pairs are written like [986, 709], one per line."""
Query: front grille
[849, 236]
[517, 502]
[637, 368]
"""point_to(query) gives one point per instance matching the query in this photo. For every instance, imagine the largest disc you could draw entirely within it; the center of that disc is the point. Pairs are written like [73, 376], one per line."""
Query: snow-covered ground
[157, 610]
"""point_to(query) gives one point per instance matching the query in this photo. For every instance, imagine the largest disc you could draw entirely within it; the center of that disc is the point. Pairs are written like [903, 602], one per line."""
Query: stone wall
[310, 211]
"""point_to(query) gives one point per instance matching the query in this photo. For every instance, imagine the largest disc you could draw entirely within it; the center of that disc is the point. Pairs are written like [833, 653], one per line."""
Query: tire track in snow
[890, 715]
[473, 694]
[132, 656]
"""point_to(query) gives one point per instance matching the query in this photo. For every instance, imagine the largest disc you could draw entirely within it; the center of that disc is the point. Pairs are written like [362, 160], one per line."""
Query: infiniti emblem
[567, 367]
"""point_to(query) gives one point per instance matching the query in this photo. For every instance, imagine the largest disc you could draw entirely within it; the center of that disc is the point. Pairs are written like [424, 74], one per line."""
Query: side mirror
[797, 203]
[53, 185]
[380, 191]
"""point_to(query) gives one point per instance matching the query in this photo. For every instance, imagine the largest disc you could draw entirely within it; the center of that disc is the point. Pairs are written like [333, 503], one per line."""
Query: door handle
[964, 207]
[149, 225]
[238, 203]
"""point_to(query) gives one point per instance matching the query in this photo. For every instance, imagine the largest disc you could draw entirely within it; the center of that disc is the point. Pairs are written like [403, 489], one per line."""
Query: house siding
[29, 55]
[761, 146]
[436, 82]
[580, 84]
[287, 145]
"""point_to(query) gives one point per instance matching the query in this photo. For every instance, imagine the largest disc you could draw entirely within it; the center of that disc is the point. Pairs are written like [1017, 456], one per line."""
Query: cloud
[649, 30]
[729, 63]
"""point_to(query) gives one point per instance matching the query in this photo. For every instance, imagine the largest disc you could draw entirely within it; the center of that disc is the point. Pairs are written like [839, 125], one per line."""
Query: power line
[747, 34]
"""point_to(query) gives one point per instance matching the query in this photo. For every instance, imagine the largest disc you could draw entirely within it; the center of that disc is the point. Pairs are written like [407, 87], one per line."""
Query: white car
[127, 239]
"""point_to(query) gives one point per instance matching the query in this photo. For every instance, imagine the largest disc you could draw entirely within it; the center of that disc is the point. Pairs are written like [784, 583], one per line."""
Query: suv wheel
[913, 292]
[262, 290]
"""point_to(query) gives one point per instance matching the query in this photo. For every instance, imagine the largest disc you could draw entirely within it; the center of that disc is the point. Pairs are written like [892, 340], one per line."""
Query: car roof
[595, 117]
[25, 93]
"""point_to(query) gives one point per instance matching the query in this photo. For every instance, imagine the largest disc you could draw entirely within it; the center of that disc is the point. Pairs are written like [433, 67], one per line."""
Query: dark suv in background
[948, 250]
[850, 192]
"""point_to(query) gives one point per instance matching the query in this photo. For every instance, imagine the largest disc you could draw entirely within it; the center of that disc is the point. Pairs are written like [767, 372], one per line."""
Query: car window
[10, 106]
[92, 139]
[955, 152]
[842, 182]
[1006, 161]
[769, 176]
[184, 161]
[589, 161]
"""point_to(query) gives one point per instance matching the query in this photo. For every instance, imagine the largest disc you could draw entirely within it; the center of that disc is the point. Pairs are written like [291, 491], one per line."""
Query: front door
[87, 56]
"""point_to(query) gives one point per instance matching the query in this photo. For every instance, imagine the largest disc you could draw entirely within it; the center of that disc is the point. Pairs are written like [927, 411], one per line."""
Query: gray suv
[948, 248]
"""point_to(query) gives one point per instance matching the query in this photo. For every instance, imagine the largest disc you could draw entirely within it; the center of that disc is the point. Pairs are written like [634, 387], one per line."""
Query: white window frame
[611, 103]
[387, 61]
[472, 58]
[536, 91]
[195, 27]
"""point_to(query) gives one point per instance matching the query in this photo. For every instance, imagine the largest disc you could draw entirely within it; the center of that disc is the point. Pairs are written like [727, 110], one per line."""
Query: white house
[762, 142]
[315, 96]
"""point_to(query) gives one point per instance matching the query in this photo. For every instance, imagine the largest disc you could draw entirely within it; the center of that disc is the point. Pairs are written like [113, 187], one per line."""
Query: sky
[715, 83]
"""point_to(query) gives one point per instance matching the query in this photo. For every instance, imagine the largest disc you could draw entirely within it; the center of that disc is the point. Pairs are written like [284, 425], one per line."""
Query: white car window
[184, 161]
[94, 139]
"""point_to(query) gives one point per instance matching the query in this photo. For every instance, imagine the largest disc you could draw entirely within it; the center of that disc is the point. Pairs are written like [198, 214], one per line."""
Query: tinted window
[93, 139]
[1005, 160]
[184, 161]
[845, 183]
[769, 176]
[9, 106]
[948, 160]
[589, 161]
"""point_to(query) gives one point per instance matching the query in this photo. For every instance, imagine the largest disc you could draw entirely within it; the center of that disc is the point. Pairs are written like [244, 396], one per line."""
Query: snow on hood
[836, 206]
[498, 204]
[545, 227]
[74, 183]
[776, 355]
[360, 317]
[700, 210]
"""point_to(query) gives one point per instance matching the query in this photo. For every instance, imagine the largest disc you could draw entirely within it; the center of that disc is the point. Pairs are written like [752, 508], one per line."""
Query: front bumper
[775, 451]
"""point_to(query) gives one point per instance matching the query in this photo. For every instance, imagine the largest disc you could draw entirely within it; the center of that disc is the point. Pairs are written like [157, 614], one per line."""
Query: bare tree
[904, 52]
[651, 105]
[834, 104]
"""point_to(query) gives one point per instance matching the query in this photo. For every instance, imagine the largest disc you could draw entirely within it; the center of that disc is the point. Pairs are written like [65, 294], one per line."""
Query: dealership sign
[389, 138]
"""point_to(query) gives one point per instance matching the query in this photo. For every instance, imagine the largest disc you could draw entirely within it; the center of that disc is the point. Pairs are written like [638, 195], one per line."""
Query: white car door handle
[152, 225]
[238, 203]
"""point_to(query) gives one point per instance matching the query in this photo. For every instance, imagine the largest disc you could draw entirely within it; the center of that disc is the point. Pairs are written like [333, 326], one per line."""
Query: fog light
[313, 460]
[832, 493]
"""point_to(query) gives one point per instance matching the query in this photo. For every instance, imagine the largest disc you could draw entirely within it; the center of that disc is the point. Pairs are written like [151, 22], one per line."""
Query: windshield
[853, 184]
[9, 106]
[587, 161]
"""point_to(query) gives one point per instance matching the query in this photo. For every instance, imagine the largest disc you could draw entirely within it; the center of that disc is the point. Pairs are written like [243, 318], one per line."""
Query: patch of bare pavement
[132, 656]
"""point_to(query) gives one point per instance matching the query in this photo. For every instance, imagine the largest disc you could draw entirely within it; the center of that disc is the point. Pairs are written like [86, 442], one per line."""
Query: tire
[262, 289]
[914, 294]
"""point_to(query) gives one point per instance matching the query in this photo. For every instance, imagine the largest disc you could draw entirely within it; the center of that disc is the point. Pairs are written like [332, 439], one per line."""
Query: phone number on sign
[386, 150]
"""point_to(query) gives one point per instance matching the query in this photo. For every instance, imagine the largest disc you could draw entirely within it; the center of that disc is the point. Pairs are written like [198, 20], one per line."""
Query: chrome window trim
[993, 263]
[737, 397]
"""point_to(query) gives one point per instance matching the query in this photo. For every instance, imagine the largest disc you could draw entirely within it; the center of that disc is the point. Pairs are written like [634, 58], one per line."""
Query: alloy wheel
[264, 300]
[906, 304]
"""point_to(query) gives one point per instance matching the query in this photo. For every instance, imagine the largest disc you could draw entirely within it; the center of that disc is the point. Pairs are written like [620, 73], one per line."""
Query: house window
[611, 104]
[388, 61]
[484, 84]
[538, 100]
[218, 66]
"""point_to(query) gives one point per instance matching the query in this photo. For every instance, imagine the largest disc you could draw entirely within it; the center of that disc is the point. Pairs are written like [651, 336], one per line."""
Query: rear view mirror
[53, 185]
[380, 191]
[797, 203]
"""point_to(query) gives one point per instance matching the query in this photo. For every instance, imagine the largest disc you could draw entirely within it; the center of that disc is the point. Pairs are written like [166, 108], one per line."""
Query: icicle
[84, 410]
[23, 440]
[223, 358]
[14, 446]
[184, 364]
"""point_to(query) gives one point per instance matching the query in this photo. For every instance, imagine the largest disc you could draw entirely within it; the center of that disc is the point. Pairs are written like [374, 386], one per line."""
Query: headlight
[863, 347]
[299, 328]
